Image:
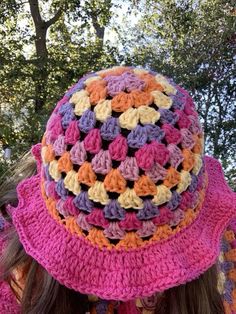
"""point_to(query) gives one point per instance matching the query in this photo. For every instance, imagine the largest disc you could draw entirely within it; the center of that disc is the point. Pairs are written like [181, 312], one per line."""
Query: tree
[194, 43]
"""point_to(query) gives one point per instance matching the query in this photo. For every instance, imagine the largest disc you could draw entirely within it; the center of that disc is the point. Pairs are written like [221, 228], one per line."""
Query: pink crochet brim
[119, 274]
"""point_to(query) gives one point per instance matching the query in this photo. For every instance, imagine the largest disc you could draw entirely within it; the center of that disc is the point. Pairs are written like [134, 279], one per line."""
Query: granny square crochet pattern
[124, 203]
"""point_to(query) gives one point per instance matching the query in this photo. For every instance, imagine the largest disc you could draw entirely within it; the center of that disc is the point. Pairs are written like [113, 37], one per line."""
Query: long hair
[43, 294]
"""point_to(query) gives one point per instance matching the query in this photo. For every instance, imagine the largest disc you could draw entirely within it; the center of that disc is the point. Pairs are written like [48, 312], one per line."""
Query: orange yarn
[231, 255]
[114, 181]
[86, 174]
[116, 71]
[189, 160]
[43, 190]
[49, 154]
[189, 216]
[162, 232]
[122, 102]
[64, 163]
[172, 178]
[197, 148]
[232, 274]
[131, 240]
[51, 206]
[97, 237]
[229, 235]
[145, 186]
[141, 98]
[44, 140]
[227, 308]
[151, 83]
[72, 226]
[97, 90]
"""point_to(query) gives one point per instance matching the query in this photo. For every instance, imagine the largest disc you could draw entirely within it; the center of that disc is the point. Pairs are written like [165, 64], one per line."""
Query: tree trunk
[41, 71]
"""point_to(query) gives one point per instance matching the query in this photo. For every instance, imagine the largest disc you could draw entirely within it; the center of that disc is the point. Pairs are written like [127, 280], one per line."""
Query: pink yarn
[78, 153]
[176, 156]
[93, 141]
[129, 169]
[131, 222]
[145, 157]
[59, 145]
[69, 205]
[183, 121]
[160, 153]
[101, 162]
[96, 218]
[172, 135]
[113, 231]
[54, 128]
[120, 274]
[157, 172]
[187, 139]
[72, 133]
[118, 148]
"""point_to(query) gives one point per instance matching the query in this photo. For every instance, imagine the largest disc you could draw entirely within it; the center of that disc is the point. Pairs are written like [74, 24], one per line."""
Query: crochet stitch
[124, 188]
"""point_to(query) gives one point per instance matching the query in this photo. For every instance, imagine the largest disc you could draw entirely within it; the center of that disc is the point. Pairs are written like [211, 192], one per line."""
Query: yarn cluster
[122, 159]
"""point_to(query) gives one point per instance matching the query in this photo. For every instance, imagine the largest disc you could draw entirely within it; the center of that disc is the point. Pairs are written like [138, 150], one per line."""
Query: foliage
[44, 52]
[194, 43]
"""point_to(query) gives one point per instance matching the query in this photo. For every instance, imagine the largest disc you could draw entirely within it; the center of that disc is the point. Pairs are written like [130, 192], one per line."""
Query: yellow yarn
[163, 195]
[129, 199]
[185, 181]
[103, 110]
[43, 152]
[71, 182]
[148, 115]
[97, 193]
[53, 170]
[161, 100]
[129, 119]
[81, 101]
[197, 164]
[91, 79]
[140, 71]
[168, 88]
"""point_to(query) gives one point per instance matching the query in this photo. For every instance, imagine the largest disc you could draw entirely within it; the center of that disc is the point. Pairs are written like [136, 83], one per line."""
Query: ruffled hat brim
[121, 274]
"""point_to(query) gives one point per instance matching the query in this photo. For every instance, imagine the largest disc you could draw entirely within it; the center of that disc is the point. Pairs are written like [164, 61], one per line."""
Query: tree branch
[55, 18]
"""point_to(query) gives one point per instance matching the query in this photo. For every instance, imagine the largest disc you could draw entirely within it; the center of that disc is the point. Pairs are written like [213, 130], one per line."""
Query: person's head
[124, 205]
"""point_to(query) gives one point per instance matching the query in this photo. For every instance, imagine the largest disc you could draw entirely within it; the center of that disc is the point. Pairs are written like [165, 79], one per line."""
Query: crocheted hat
[124, 203]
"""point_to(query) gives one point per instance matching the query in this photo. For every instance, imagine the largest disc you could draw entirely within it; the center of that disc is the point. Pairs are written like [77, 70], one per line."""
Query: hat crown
[122, 158]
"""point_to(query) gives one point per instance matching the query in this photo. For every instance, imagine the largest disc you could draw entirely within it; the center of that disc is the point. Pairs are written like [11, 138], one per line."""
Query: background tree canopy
[46, 46]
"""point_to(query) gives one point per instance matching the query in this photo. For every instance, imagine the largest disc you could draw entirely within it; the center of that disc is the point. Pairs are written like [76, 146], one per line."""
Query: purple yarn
[2, 223]
[224, 246]
[115, 84]
[148, 211]
[132, 81]
[175, 201]
[61, 190]
[226, 266]
[137, 137]
[79, 85]
[102, 306]
[87, 121]
[67, 118]
[194, 183]
[167, 116]
[60, 206]
[178, 100]
[229, 285]
[110, 129]
[46, 173]
[154, 132]
[114, 211]
[65, 108]
[82, 202]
